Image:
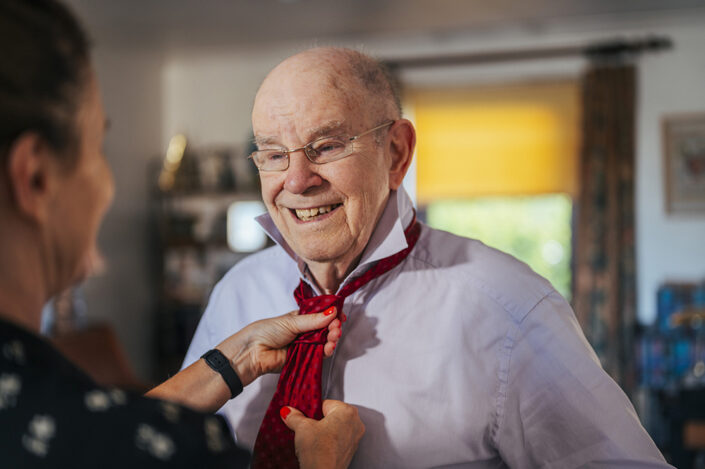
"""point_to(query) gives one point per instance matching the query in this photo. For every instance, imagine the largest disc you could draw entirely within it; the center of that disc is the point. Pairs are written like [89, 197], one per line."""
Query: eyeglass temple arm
[372, 130]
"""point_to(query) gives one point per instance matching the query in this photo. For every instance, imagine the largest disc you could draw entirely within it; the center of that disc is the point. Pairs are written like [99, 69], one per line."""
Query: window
[535, 229]
[498, 163]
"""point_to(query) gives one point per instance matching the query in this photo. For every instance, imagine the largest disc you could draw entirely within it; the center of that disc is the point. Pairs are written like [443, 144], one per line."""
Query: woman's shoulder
[65, 420]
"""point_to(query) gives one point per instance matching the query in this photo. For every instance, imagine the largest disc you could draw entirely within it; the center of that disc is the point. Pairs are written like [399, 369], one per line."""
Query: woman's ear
[401, 143]
[31, 169]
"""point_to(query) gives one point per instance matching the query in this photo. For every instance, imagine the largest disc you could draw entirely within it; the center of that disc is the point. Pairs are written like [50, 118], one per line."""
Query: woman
[55, 187]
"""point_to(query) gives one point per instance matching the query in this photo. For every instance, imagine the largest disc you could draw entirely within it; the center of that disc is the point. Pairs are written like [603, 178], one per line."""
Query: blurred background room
[568, 133]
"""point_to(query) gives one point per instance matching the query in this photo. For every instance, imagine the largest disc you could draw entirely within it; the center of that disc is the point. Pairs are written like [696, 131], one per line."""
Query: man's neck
[328, 276]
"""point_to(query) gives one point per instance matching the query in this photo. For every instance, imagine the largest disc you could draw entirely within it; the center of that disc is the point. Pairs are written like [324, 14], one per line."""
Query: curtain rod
[595, 51]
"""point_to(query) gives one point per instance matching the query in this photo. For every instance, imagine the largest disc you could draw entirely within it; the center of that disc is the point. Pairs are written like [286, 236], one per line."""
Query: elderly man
[458, 355]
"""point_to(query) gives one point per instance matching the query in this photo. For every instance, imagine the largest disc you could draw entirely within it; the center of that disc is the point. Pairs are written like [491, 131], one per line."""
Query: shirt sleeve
[203, 338]
[557, 407]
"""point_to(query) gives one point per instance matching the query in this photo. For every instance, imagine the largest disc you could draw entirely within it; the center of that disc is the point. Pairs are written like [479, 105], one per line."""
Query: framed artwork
[684, 163]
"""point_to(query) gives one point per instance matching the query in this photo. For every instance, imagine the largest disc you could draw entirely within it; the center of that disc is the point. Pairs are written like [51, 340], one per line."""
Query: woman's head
[45, 66]
[55, 184]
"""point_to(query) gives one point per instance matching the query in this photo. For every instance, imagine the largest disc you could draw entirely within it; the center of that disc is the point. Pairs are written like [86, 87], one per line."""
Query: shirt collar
[387, 238]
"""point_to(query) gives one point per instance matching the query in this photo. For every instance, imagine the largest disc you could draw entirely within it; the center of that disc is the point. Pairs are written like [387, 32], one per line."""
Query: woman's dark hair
[44, 64]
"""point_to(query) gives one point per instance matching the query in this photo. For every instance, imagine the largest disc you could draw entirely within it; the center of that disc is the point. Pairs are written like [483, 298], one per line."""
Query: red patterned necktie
[299, 383]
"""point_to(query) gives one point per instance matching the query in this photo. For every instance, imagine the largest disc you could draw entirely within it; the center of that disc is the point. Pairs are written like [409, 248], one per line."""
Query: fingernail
[329, 311]
[284, 412]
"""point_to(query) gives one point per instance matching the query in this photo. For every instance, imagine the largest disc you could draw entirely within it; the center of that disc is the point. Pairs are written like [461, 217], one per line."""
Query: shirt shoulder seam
[505, 355]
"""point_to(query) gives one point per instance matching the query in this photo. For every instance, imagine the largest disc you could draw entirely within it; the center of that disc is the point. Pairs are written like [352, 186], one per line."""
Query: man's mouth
[307, 214]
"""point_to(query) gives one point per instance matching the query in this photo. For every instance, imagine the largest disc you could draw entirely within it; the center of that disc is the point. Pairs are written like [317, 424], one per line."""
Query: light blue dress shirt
[460, 357]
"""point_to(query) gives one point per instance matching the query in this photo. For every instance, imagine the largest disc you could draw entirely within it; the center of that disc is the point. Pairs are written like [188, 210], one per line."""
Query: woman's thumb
[292, 417]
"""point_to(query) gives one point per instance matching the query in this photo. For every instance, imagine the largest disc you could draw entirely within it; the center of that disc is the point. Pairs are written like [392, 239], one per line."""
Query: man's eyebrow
[259, 141]
[325, 130]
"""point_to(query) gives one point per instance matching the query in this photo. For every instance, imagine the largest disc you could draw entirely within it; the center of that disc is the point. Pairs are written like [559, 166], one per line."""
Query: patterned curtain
[604, 284]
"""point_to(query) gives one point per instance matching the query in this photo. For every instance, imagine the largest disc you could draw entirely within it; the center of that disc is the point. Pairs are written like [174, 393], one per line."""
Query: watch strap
[219, 362]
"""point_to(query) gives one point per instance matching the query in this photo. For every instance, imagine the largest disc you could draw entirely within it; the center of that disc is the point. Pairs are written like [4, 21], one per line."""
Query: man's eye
[329, 146]
[275, 155]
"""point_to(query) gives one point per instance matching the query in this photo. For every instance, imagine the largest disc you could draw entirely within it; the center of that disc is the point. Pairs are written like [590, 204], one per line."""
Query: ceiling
[196, 22]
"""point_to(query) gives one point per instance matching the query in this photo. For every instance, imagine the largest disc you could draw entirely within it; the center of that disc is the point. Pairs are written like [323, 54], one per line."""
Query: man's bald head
[375, 78]
[363, 80]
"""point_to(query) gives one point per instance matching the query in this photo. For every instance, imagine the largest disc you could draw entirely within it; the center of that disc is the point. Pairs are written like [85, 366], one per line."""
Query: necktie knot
[312, 305]
[317, 304]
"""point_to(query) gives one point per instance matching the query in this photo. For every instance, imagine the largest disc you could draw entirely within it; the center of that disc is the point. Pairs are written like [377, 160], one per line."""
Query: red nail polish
[345, 318]
[329, 311]
[284, 412]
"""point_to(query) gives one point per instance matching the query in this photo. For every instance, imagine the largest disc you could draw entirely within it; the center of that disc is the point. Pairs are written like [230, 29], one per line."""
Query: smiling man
[326, 212]
[455, 354]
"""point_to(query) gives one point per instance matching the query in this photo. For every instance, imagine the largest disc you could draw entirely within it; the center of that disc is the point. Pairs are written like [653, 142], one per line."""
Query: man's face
[295, 105]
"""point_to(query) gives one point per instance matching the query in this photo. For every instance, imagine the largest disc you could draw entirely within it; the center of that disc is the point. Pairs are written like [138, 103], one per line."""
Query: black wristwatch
[221, 364]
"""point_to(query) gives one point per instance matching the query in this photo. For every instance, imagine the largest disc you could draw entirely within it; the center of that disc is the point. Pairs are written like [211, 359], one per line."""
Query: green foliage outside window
[535, 229]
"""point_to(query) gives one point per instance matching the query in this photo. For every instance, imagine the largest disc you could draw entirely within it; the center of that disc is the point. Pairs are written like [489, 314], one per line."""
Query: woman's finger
[310, 322]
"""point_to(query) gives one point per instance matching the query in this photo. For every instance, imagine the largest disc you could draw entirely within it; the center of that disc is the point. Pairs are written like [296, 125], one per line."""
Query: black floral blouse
[52, 415]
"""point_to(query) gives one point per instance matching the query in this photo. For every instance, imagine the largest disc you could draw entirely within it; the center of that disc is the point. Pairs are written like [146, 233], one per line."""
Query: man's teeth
[306, 214]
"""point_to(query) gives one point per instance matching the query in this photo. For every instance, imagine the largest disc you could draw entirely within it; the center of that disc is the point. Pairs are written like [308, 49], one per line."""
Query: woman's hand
[256, 349]
[329, 443]
[261, 347]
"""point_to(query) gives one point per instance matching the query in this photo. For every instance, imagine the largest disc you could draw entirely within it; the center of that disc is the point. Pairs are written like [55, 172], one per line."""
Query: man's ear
[30, 172]
[402, 140]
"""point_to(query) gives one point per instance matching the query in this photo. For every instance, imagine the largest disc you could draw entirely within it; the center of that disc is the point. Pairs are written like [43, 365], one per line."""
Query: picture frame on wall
[684, 163]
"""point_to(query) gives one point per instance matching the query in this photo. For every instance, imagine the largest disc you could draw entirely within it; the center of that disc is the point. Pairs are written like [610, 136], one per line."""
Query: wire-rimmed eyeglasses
[320, 151]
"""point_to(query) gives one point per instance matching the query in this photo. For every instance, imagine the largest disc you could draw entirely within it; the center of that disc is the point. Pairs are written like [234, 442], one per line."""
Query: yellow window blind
[496, 140]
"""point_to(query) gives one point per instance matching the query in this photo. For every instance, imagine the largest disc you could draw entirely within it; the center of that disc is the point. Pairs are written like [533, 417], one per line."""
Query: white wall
[668, 247]
[208, 94]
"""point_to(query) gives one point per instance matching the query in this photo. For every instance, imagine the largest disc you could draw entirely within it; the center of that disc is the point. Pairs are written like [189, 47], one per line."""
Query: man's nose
[302, 174]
